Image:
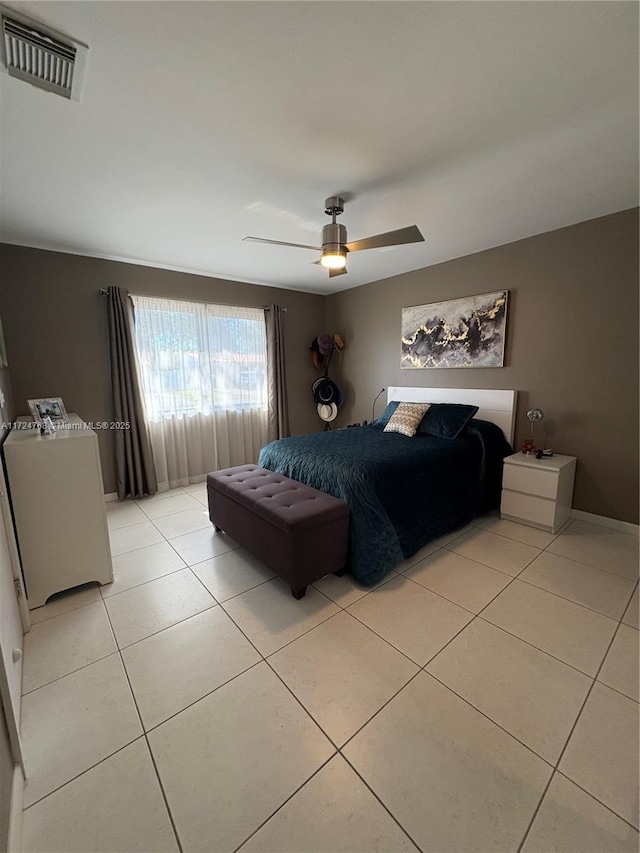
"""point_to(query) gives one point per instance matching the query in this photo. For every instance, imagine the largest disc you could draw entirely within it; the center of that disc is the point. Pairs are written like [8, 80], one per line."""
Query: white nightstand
[538, 492]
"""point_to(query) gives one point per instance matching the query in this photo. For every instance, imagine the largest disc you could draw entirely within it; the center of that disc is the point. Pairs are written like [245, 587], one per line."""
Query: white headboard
[499, 407]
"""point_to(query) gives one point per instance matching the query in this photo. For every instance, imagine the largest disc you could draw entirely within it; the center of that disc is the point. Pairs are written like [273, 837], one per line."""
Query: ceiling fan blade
[343, 271]
[280, 243]
[411, 234]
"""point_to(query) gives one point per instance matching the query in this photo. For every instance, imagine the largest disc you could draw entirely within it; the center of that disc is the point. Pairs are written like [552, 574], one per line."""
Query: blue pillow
[446, 420]
[385, 417]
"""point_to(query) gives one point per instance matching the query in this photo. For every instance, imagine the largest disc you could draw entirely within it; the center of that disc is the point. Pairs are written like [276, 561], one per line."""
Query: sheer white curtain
[204, 381]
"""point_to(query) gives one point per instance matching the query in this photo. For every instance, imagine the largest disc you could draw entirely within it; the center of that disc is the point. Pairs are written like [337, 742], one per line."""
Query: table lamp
[534, 416]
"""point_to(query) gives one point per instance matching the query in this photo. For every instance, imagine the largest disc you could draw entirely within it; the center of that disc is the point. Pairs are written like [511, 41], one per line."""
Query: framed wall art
[467, 332]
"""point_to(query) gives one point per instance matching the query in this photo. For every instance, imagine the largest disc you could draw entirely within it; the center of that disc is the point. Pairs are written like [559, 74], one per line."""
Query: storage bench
[299, 532]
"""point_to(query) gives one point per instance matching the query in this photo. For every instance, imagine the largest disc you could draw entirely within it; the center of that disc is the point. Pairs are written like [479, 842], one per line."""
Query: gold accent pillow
[406, 418]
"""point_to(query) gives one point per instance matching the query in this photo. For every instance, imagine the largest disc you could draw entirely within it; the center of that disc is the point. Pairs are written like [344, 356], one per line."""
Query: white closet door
[10, 637]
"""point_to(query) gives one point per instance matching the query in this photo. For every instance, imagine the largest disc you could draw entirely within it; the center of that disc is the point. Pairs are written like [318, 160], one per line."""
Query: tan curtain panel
[276, 374]
[135, 472]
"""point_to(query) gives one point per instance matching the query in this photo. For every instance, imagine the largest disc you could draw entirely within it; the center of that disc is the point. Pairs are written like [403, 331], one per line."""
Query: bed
[403, 492]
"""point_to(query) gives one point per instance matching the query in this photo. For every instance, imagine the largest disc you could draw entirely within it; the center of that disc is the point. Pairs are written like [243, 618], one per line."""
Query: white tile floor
[483, 697]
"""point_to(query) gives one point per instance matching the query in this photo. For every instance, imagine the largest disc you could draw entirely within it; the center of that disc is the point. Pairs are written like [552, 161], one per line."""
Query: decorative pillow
[406, 418]
[446, 420]
[383, 420]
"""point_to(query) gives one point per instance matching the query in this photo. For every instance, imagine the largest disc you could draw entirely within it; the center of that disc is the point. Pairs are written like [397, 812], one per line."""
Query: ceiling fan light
[334, 258]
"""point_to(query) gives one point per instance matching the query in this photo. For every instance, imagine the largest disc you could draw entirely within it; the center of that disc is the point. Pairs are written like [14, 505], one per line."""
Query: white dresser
[55, 483]
[538, 492]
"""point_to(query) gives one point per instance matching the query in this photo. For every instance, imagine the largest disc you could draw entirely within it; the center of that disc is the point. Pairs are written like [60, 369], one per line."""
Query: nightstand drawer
[528, 508]
[531, 482]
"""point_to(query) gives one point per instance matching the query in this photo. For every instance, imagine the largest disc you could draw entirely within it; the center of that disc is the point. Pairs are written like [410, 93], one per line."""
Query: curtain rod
[104, 292]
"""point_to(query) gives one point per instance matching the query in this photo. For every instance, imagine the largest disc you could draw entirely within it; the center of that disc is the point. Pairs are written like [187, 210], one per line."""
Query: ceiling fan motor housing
[334, 205]
[334, 236]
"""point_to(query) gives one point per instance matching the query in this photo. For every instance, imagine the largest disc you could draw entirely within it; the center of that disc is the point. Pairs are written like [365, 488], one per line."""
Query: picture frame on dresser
[48, 407]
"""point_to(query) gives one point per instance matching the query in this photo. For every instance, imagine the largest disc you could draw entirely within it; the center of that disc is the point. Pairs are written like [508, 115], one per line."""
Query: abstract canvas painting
[467, 332]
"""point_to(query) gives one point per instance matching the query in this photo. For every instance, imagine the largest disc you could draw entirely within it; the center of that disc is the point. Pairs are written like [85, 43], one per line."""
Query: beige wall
[55, 325]
[572, 345]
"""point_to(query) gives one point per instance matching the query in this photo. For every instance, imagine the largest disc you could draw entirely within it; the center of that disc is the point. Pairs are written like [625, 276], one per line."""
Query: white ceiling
[203, 122]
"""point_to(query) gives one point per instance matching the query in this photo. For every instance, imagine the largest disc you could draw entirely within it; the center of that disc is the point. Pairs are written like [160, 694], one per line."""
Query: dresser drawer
[530, 481]
[528, 508]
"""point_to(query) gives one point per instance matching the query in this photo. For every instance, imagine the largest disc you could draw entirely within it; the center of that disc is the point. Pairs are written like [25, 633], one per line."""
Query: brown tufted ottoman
[300, 533]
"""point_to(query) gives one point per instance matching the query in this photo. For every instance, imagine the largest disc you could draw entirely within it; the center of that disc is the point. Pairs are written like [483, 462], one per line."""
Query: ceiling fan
[334, 247]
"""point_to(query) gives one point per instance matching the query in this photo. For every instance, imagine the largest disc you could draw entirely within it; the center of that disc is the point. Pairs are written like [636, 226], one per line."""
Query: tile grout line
[619, 692]
[544, 651]
[597, 568]
[381, 801]
[380, 637]
[475, 615]
[331, 741]
[212, 557]
[78, 775]
[204, 696]
[283, 804]
[518, 577]
[263, 659]
[381, 708]
[487, 566]
[569, 736]
[143, 583]
[70, 610]
[414, 662]
[593, 678]
[490, 719]
[166, 628]
[338, 750]
[72, 672]
[85, 665]
[535, 811]
[288, 643]
[484, 619]
[559, 772]
[560, 533]
[464, 557]
[586, 698]
[146, 739]
[303, 706]
[577, 603]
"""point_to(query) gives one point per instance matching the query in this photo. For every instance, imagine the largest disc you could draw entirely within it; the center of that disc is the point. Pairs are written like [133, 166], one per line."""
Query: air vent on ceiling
[41, 56]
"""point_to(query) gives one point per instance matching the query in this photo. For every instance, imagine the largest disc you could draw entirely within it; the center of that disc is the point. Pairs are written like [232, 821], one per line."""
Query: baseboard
[14, 840]
[113, 496]
[603, 521]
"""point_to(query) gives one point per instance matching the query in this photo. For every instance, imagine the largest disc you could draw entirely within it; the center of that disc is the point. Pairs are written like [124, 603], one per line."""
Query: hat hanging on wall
[325, 390]
[327, 411]
[322, 347]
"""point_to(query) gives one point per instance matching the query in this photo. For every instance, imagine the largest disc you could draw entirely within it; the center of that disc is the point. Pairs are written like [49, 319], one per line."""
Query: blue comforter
[402, 492]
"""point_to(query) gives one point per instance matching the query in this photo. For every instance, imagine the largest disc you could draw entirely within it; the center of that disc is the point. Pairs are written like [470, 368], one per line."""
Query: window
[200, 359]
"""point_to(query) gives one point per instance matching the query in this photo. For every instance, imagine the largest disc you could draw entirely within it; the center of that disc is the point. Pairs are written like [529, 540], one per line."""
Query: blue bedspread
[402, 492]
